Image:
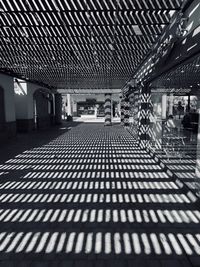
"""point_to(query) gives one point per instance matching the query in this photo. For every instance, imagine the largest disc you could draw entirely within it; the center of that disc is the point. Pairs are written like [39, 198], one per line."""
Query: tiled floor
[92, 197]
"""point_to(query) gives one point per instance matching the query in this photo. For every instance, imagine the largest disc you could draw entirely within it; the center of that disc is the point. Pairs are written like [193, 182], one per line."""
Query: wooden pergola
[80, 44]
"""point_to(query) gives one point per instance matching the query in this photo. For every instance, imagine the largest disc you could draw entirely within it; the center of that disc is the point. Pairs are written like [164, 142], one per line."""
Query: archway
[43, 108]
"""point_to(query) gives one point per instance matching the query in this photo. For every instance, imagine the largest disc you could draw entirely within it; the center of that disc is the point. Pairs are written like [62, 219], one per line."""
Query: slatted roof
[185, 77]
[80, 44]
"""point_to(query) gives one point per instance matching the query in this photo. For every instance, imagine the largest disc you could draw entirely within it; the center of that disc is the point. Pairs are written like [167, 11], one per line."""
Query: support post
[126, 111]
[171, 104]
[122, 111]
[144, 116]
[69, 109]
[131, 109]
[136, 108]
[188, 107]
[58, 108]
[196, 183]
[108, 114]
[164, 107]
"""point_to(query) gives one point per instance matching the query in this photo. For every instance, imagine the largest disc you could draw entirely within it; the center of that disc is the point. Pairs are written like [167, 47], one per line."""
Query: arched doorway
[2, 110]
[43, 108]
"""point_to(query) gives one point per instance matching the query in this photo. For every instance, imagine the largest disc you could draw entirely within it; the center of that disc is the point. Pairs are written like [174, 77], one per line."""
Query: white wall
[7, 83]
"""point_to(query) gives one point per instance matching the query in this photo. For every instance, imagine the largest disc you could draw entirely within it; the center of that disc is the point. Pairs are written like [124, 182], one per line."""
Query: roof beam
[22, 25]
[88, 11]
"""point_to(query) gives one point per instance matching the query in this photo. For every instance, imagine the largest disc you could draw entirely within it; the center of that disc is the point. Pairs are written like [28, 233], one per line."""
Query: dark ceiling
[80, 44]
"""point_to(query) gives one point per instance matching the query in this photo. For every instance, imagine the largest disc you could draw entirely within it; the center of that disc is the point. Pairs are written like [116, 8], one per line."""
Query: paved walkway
[91, 197]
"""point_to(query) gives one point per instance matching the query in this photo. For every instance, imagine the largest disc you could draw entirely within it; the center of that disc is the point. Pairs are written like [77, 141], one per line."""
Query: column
[196, 183]
[136, 108]
[74, 107]
[108, 119]
[131, 108]
[144, 116]
[119, 109]
[188, 106]
[164, 111]
[171, 104]
[133, 100]
[122, 111]
[52, 115]
[164, 107]
[58, 108]
[156, 121]
[126, 111]
[69, 108]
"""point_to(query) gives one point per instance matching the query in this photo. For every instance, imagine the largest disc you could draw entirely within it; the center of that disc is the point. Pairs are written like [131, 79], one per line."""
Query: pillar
[69, 108]
[144, 116]
[136, 108]
[126, 111]
[108, 111]
[164, 107]
[156, 124]
[58, 108]
[74, 107]
[171, 104]
[8, 128]
[53, 110]
[64, 107]
[119, 109]
[133, 112]
[196, 182]
[122, 111]
[131, 108]
[188, 106]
